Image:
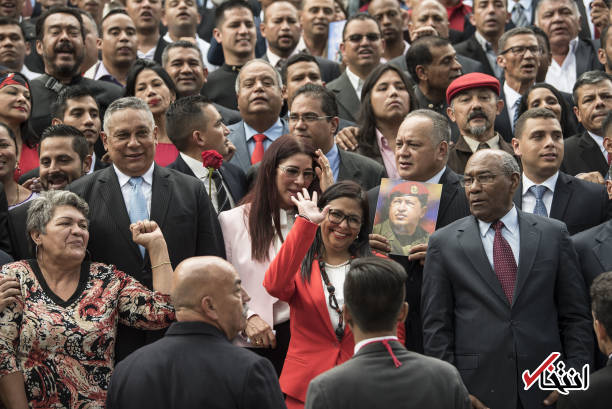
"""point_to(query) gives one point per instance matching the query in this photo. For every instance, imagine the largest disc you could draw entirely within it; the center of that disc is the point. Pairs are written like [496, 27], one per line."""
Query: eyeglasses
[521, 49]
[484, 179]
[356, 38]
[308, 118]
[293, 172]
[337, 217]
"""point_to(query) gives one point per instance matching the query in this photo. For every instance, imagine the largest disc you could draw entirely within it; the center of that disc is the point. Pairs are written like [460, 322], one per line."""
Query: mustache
[476, 114]
[64, 48]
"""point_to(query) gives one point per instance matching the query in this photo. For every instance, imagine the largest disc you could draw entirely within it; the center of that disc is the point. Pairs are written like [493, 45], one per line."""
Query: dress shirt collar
[273, 58]
[123, 178]
[473, 143]
[355, 81]
[383, 60]
[511, 95]
[550, 183]
[333, 156]
[573, 44]
[510, 221]
[273, 133]
[436, 178]
[93, 163]
[599, 141]
[363, 342]
[103, 75]
[483, 41]
[196, 166]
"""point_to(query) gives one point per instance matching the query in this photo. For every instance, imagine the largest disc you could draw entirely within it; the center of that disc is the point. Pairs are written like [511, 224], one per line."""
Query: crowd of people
[188, 192]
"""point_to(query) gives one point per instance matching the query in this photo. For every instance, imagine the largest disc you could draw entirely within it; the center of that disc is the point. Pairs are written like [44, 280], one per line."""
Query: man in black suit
[382, 373]
[599, 393]
[361, 48]
[572, 55]
[421, 155]
[502, 290]
[133, 188]
[195, 364]
[585, 152]
[55, 31]
[314, 116]
[490, 18]
[543, 189]
[195, 126]
[282, 31]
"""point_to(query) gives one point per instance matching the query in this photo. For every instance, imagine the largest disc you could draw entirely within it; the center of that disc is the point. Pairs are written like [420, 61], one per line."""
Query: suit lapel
[230, 183]
[347, 170]
[529, 244]
[242, 153]
[590, 153]
[470, 241]
[518, 195]
[449, 191]
[161, 195]
[346, 95]
[603, 248]
[561, 197]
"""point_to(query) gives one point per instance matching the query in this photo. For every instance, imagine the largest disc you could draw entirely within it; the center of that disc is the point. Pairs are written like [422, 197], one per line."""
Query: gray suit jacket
[365, 171]
[346, 97]
[370, 380]
[468, 321]
[237, 136]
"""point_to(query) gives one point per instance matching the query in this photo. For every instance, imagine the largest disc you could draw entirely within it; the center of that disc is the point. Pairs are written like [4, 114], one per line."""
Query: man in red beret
[406, 208]
[473, 104]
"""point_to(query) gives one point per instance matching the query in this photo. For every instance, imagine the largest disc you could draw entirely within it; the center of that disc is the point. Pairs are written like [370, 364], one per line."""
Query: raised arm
[148, 234]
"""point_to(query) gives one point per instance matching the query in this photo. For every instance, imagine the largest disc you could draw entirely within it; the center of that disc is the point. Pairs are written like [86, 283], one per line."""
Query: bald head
[209, 289]
[428, 13]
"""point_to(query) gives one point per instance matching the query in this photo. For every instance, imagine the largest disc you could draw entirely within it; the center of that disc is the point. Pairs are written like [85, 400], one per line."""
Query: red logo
[553, 376]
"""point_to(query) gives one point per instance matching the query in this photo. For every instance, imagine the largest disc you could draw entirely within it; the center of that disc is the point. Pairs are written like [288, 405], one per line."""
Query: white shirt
[510, 232]
[126, 189]
[364, 342]
[204, 46]
[436, 178]
[336, 276]
[148, 55]
[30, 75]
[473, 143]
[202, 173]
[511, 97]
[563, 76]
[273, 58]
[529, 199]
[355, 81]
[93, 163]
[599, 141]
[527, 9]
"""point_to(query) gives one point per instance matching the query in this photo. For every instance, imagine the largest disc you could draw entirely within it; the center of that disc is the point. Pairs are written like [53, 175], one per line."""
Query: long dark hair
[264, 199]
[567, 124]
[140, 65]
[361, 246]
[367, 120]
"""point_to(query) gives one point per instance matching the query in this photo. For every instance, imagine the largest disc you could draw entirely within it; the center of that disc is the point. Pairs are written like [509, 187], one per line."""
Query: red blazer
[313, 348]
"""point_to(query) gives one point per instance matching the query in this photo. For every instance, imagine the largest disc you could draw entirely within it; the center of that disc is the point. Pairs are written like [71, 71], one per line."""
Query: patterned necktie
[223, 202]
[138, 204]
[538, 191]
[280, 63]
[483, 145]
[518, 15]
[258, 152]
[517, 105]
[503, 261]
[609, 158]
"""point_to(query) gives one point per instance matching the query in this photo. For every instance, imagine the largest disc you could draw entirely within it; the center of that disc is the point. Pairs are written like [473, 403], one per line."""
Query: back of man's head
[601, 305]
[374, 292]
[184, 116]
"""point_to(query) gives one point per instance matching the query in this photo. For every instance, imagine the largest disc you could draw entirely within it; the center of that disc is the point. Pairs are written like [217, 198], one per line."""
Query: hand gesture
[259, 332]
[324, 171]
[379, 243]
[33, 184]
[308, 208]
[418, 252]
[346, 138]
[146, 232]
[9, 291]
[600, 14]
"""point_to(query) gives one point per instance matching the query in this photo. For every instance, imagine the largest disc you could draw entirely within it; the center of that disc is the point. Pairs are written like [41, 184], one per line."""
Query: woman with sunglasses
[308, 273]
[254, 232]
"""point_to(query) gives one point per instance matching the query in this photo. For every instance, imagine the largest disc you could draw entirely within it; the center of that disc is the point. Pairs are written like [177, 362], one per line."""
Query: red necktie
[609, 158]
[258, 152]
[597, 33]
[503, 261]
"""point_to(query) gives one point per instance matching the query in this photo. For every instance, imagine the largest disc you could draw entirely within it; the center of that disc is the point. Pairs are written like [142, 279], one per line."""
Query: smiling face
[131, 141]
[260, 92]
[540, 148]
[289, 187]
[594, 102]
[66, 235]
[237, 33]
[338, 237]
[152, 89]
[59, 163]
[405, 214]
[389, 97]
[8, 154]
[186, 70]
[62, 45]
[315, 17]
[544, 98]
[15, 104]
[11, 8]
[361, 55]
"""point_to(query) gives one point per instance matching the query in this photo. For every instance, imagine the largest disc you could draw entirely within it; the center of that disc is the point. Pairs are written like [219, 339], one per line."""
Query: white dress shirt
[202, 173]
[204, 46]
[510, 232]
[93, 163]
[30, 75]
[563, 76]
[511, 97]
[148, 55]
[273, 58]
[336, 276]
[529, 199]
[355, 81]
[364, 342]
[599, 141]
[126, 189]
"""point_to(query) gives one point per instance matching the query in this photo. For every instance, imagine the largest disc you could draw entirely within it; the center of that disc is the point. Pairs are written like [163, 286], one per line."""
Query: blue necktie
[538, 191]
[138, 205]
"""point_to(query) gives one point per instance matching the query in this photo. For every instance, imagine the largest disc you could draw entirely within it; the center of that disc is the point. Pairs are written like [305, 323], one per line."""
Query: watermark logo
[551, 376]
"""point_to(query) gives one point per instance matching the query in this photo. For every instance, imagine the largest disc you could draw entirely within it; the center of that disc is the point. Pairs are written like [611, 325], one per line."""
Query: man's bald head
[209, 289]
[428, 13]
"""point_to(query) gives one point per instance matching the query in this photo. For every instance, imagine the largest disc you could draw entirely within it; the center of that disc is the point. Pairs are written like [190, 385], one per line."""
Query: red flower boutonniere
[212, 161]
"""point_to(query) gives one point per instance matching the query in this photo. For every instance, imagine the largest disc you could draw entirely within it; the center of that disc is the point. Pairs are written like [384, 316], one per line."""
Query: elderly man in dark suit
[585, 152]
[259, 90]
[544, 190]
[195, 126]
[314, 116]
[134, 188]
[599, 393]
[502, 290]
[421, 155]
[195, 364]
[382, 373]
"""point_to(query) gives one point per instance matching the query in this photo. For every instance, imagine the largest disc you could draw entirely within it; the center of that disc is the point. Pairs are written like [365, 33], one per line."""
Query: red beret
[470, 81]
[410, 189]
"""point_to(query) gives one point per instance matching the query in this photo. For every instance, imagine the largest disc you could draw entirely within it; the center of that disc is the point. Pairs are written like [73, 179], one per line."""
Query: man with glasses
[362, 46]
[314, 115]
[502, 290]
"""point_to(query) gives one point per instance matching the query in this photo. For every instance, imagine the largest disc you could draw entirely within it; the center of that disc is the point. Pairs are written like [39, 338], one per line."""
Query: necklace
[332, 300]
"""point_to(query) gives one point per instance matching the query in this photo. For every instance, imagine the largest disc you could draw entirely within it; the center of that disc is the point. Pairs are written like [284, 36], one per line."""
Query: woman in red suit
[308, 273]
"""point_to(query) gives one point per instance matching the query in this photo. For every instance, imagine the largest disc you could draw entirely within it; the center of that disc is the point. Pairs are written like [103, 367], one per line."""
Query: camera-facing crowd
[188, 192]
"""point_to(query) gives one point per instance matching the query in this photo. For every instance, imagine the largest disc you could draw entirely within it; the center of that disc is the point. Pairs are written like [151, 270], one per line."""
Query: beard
[65, 70]
[478, 131]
